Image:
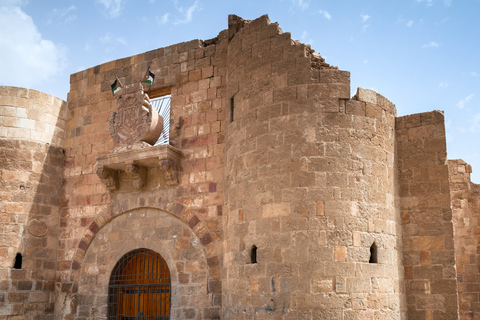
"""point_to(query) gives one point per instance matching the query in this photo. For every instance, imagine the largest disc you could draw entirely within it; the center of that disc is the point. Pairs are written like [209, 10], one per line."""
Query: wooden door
[140, 287]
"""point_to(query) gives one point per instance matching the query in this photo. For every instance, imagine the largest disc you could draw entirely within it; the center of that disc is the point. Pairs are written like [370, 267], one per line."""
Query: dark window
[232, 108]
[253, 254]
[139, 287]
[17, 264]
[373, 254]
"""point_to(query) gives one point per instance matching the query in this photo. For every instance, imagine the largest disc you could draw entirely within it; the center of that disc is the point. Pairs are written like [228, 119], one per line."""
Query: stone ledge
[140, 163]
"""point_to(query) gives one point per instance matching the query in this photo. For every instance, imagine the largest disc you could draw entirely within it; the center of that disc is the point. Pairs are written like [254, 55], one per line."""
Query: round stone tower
[32, 125]
[311, 229]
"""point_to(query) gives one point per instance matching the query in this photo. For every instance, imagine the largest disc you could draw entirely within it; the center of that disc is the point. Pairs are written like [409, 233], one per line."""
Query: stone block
[429, 243]
[366, 95]
[340, 253]
[274, 210]
[355, 107]
[320, 208]
[321, 284]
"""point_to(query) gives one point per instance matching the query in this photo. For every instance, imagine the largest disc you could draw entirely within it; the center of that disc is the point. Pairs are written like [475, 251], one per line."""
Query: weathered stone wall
[31, 165]
[293, 201]
[193, 73]
[309, 184]
[155, 230]
[428, 247]
[465, 197]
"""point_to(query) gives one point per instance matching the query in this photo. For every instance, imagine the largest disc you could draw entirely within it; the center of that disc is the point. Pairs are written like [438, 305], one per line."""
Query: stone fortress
[277, 196]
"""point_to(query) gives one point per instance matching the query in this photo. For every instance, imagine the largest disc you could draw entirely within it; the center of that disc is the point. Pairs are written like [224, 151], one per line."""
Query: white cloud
[163, 19]
[109, 38]
[475, 127]
[443, 84]
[188, 13]
[429, 3]
[431, 44]
[365, 18]
[31, 59]
[106, 38]
[462, 102]
[113, 7]
[305, 38]
[365, 61]
[302, 4]
[448, 127]
[10, 3]
[64, 15]
[121, 41]
[325, 14]
[410, 23]
[473, 74]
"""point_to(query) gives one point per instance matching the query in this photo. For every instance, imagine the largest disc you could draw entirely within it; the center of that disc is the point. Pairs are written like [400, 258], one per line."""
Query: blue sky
[420, 54]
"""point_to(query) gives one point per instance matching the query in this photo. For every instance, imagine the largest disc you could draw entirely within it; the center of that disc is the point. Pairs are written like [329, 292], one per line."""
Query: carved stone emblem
[171, 171]
[37, 228]
[136, 122]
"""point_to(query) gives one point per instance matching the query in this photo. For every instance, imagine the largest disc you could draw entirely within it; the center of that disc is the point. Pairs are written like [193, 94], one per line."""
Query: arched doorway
[139, 287]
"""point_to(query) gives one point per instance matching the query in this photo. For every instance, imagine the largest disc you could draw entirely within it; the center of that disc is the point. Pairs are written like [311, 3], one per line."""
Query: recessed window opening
[232, 108]
[253, 254]
[373, 254]
[162, 105]
[17, 263]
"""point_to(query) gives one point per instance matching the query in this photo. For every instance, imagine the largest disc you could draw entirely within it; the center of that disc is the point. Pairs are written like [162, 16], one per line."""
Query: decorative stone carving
[136, 125]
[37, 228]
[170, 170]
[132, 170]
[140, 174]
[109, 176]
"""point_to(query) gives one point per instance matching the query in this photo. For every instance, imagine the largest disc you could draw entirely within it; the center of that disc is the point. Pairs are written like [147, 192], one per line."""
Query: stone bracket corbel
[109, 177]
[140, 174]
[124, 170]
[170, 169]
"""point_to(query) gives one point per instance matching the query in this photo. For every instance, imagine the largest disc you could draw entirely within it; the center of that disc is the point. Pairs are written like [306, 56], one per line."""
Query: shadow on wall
[31, 162]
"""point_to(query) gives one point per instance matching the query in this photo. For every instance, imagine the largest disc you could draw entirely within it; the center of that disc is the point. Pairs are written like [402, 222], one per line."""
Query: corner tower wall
[31, 163]
[310, 186]
[428, 245]
[466, 220]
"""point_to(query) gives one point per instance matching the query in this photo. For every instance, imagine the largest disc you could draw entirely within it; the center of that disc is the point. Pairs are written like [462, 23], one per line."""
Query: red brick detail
[160, 203]
[206, 239]
[212, 187]
[75, 265]
[94, 227]
[178, 210]
[193, 221]
[83, 245]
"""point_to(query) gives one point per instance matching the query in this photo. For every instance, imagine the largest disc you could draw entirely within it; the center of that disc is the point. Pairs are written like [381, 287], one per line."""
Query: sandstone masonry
[278, 196]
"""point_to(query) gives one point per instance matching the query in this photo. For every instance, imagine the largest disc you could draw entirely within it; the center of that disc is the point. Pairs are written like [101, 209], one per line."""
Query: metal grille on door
[139, 287]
